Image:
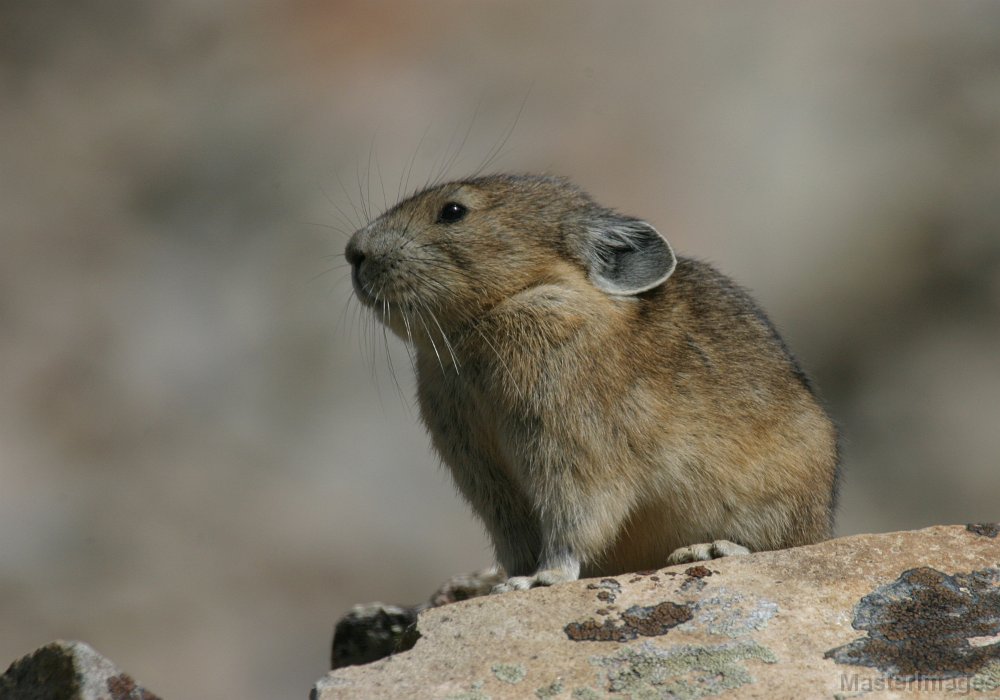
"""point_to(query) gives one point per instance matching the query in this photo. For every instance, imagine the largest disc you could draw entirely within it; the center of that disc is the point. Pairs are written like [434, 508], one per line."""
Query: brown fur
[593, 433]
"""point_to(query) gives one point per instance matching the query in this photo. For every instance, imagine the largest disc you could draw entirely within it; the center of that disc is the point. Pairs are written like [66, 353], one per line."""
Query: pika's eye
[451, 212]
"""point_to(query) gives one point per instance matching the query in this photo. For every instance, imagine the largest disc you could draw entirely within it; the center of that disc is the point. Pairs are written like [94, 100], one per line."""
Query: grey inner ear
[629, 256]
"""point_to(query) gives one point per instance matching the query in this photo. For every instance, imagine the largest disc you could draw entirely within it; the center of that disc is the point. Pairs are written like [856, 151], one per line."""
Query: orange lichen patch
[649, 621]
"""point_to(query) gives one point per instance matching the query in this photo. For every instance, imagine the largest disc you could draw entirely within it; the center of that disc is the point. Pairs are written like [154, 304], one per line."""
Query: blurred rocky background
[204, 459]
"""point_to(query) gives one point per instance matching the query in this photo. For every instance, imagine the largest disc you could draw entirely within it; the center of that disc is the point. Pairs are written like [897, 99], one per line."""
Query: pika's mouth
[358, 259]
[359, 288]
[378, 300]
[364, 285]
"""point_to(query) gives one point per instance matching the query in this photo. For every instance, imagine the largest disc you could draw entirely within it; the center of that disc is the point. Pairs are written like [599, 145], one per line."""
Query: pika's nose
[354, 255]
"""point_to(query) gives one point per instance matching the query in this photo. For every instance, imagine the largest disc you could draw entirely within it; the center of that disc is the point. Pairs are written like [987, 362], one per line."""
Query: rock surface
[68, 671]
[896, 615]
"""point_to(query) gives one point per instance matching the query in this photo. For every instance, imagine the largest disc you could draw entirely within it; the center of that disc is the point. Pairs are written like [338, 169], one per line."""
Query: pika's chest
[466, 421]
[453, 406]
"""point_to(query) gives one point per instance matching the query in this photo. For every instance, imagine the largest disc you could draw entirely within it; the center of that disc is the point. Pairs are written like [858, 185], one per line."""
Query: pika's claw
[514, 583]
[546, 577]
[706, 551]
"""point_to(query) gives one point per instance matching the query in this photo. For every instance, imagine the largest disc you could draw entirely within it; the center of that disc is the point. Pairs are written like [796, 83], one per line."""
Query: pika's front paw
[706, 551]
[548, 577]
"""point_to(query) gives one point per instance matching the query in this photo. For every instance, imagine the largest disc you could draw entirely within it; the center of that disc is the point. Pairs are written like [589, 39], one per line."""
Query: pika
[604, 405]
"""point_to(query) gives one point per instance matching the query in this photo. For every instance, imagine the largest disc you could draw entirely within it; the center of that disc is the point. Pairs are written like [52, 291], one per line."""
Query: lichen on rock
[685, 671]
[923, 625]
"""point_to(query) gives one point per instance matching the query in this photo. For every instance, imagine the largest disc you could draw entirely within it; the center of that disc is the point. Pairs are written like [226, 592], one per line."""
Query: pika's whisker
[358, 220]
[430, 337]
[387, 307]
[444, 337]
[503, 363]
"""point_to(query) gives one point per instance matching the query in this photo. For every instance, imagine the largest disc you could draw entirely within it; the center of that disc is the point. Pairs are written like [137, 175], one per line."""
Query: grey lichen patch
[551, 690]
[682, 672]
[510, 673]
[920, 626]
[607, 590]
[987, 679]
[648, 621]
[470, 695]
[653, 574]
[474, 693]
[984, 529]
[734, 614]
[694, 578]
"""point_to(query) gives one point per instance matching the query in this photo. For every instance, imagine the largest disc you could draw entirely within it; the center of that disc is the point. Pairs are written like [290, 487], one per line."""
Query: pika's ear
[628, 256]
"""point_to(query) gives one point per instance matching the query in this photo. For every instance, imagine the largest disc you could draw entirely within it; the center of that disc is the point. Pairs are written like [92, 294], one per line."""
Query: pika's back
[717, 319]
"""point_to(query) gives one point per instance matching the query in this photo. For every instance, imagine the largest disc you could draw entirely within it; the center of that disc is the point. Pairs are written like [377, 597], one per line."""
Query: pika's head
[453, 251]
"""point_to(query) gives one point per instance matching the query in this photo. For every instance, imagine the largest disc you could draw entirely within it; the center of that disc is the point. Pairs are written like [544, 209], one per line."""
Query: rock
[68, 671]
[374, 630]
[881, 616]
[370, 632]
